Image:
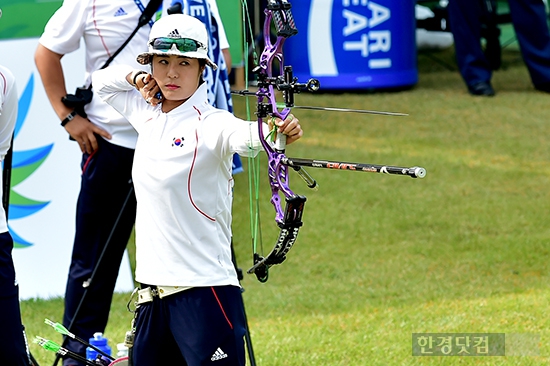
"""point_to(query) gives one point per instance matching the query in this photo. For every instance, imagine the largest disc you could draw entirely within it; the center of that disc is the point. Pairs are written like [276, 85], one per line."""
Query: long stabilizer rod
[414, 172]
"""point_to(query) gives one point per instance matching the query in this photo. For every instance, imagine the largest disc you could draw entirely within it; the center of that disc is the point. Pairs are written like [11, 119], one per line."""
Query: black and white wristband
[69, 118]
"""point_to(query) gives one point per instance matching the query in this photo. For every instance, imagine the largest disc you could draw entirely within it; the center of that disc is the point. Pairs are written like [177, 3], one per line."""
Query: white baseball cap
[180, 35]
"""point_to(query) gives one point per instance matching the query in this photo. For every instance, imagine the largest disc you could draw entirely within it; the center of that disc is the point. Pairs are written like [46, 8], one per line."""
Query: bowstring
[253, 161]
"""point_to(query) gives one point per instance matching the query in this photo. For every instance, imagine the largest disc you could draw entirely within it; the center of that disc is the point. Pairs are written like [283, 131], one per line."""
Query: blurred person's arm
[49, 66]
[227, 58]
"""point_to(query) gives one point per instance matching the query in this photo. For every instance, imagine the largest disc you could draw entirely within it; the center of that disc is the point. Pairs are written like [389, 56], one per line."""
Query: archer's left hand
[290, 127]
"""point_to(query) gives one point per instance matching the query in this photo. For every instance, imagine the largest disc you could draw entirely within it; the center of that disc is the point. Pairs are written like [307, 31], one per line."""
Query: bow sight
[287, 84]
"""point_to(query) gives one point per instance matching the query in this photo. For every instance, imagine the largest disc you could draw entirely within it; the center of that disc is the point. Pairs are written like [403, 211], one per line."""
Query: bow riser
[267, 105]
[278, 180]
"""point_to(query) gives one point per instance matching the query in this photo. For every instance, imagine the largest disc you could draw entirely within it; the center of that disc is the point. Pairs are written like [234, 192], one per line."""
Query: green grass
[381, 257]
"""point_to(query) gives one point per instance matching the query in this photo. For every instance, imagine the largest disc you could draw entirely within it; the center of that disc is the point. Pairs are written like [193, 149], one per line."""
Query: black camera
[78, 100]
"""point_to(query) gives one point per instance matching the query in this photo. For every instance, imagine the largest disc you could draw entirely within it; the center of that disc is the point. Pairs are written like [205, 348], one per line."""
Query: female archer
[189, 306]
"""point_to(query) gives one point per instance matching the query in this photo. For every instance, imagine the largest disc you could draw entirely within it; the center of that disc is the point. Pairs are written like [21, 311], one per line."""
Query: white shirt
[104, 26]
[183, 183]
[8, 116]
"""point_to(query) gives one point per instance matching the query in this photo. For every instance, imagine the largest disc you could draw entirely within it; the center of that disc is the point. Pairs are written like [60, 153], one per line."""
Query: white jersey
[8, 116]
[104, 26]
[183, 183]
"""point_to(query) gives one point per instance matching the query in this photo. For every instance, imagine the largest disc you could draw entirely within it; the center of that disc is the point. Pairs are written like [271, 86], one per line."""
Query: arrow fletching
[47, 344]
[59, 328]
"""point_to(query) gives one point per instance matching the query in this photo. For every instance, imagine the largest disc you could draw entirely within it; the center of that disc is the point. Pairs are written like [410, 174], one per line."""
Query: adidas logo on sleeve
[120, 12]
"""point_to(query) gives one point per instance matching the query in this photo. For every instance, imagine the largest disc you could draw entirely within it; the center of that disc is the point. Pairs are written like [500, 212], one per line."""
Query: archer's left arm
[241, 137]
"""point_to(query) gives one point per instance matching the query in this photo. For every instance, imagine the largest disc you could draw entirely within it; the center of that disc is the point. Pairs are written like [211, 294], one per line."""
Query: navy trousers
[12, 340]
[106, 187]
[196, 327]
[530, 24]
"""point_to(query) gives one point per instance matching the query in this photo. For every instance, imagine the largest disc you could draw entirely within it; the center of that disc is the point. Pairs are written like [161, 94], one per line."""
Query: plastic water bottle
[100, 342]
[122, 350]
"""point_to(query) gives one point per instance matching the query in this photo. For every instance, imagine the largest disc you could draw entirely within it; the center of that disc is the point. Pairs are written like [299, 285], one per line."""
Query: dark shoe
[543, 87]
[483, 88]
